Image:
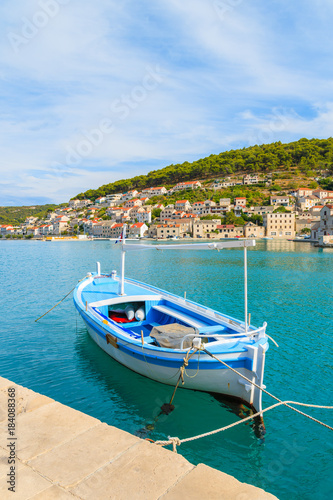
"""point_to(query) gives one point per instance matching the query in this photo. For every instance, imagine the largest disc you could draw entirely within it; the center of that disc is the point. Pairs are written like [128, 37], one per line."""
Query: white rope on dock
[175, 441]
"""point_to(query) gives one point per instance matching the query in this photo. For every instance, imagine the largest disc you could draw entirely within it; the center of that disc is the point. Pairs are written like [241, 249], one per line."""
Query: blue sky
[92, 92]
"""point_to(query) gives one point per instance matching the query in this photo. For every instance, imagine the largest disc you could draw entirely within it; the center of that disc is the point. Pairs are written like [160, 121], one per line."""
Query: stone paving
[64, 454]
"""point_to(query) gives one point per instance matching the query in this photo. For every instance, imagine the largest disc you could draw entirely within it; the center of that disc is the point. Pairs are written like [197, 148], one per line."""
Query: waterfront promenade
[62, 454]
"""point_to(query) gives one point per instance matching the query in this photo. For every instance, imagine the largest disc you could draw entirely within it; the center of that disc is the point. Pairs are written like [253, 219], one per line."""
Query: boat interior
[135, 315]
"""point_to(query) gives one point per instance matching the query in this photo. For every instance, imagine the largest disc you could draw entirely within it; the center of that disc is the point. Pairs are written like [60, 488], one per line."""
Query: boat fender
[129, 311]
[140, 314]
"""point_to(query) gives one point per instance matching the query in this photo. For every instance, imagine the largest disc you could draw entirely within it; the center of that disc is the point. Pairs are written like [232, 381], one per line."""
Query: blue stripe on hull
[243, 362]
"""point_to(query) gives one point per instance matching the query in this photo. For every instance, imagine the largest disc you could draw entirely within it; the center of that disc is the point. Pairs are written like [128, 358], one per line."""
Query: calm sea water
[290, 287]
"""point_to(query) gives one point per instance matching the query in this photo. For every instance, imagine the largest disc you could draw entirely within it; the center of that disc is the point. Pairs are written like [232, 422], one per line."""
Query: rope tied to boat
[169, 407]
[42, 316]
[175, 441]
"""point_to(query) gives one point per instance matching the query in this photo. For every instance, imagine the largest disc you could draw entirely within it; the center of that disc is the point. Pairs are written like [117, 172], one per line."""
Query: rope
[177, 442]
[42, 316]
[266, 392]
[182, 370]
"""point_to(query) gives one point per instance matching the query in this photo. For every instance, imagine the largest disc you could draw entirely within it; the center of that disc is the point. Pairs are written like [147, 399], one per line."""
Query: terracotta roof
[138, 224]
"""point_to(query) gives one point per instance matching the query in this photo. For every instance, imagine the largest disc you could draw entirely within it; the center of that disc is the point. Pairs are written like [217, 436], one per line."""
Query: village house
[74, 203]
[186, 222]
[322, 231]
[316, 210]
[304, 222]
[158, 191]
[301, 192]
[190, 185]
[129, 195]
[33, 230]
[253, 231]
[230, 231]
[167, 212]
[282, 201]
[280, 225]
[240, 202]
[171, 230]
[184, 205]
[101, 199]
[79, 203]
[197, 207]
[306, 202]
[135, 202]
[144, 215]
[202, 227]
[263, 210]
[323, 194]
[114, 212]
[137, 230]
[251, 179]
[225, 203]
[114, 196]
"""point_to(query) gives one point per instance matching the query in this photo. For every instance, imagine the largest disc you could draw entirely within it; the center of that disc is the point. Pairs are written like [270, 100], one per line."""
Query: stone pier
[64, 454]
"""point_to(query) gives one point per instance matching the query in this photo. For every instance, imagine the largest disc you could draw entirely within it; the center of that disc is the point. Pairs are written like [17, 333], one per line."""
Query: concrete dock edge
[61, 453]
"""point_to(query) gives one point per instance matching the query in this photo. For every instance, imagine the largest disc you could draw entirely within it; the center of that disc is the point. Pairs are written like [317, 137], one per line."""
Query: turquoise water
[290, 287]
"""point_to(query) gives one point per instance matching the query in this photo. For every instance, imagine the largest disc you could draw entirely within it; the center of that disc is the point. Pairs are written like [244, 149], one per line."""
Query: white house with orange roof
[183, 205]
[129, 195]
[137, 230]
[143, 215]
[240, 202]
[7, 229]
[135, 202]
[101, 199]
[158, 191]
[181, 186]
[33, 230]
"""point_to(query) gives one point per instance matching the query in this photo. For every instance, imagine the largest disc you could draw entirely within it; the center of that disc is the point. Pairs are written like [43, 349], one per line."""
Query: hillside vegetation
[17, 215]
[304, 157]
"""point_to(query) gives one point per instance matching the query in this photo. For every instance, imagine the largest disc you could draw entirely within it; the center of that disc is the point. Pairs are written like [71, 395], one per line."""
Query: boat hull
[203, 373]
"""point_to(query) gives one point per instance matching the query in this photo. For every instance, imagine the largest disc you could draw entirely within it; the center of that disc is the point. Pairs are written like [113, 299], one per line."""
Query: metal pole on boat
[123, 253]
[245, 285]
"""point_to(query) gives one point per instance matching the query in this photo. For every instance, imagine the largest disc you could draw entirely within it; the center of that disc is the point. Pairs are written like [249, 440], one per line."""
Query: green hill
[17, 215]
[307, 157]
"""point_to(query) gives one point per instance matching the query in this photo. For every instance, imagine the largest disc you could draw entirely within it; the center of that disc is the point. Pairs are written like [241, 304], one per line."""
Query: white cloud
[222, 75]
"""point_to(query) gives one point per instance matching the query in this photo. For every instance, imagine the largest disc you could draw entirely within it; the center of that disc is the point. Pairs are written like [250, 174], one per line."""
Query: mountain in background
[310, 156]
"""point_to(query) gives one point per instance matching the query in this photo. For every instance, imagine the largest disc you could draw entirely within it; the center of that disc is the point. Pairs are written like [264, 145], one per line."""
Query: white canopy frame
[220, 245]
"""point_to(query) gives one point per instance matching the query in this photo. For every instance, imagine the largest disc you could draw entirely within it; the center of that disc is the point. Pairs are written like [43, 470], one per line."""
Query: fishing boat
[152, 331]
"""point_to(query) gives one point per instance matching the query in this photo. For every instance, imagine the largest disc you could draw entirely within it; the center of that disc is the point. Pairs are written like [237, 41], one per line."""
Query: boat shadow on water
[141, 400]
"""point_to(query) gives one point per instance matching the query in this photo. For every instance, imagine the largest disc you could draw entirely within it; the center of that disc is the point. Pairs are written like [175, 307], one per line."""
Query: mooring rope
[175, 441]
[47, 312]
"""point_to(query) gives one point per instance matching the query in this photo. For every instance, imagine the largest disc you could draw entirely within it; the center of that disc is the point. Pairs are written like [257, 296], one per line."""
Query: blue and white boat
[151, 331]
